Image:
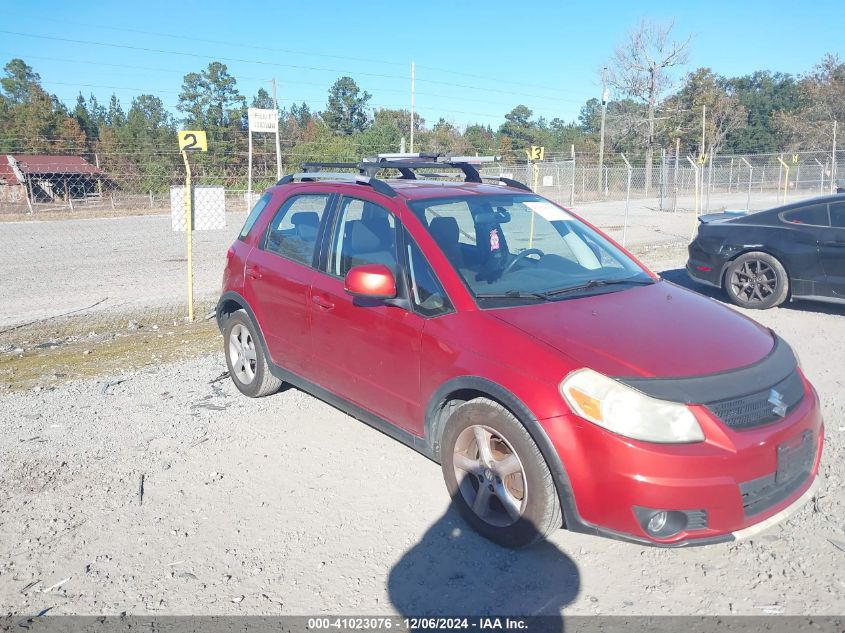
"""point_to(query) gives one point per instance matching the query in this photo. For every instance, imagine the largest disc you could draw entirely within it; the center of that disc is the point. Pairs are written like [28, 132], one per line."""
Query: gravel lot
[287, 506]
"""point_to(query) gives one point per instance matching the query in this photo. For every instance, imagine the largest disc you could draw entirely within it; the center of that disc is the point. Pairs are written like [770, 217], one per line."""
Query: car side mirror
[370, 281]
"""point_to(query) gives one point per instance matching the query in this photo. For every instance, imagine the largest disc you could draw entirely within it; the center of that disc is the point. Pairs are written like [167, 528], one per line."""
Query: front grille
[756, 409]
[758, 495]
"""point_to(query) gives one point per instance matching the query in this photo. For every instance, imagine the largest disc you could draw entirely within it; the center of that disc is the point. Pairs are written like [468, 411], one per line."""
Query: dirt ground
[161, 489]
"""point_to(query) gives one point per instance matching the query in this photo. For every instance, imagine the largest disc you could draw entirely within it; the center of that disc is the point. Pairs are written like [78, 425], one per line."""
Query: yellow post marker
[785, 176]
[190, 141]
[535, 174]
[189, 231]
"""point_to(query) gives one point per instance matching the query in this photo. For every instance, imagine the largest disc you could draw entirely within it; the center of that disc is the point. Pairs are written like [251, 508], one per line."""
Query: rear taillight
[230, 253]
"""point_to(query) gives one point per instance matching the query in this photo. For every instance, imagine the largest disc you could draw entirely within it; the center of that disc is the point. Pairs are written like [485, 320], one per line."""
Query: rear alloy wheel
[497, 476]
[245, 358]
[756, 281]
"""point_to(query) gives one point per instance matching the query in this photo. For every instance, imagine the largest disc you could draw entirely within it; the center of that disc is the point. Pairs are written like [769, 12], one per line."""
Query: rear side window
[837, 215]
[815, 215]
[294, 229]
[365, 234]
[260, 205]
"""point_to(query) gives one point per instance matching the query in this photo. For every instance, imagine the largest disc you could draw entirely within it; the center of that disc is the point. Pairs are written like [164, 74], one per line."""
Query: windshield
[523, 247]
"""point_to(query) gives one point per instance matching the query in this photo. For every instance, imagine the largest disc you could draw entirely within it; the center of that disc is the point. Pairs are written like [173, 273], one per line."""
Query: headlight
[625, 411]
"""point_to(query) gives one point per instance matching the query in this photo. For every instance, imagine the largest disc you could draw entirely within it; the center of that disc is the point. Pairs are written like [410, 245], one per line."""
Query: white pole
[249, 175]
[278, 149]
[412, 107]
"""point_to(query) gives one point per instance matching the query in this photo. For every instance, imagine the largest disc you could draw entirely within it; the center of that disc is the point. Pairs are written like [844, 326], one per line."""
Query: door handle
[253, 271]
[325, 304]
[839, 243]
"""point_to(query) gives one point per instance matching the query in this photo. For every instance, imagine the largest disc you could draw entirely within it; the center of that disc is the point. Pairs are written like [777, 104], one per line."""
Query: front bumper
[609, 475]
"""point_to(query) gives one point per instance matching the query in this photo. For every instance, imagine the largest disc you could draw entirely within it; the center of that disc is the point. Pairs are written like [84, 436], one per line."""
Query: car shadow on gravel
[454, 571]
[680, 277]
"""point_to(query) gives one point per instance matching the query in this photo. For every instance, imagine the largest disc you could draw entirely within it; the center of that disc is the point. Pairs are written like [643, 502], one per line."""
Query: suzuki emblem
[776, 399]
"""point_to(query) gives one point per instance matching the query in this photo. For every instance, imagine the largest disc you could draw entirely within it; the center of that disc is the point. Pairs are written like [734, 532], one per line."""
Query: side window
[427, 294]
[253, 215]
[293, 231]
[365, 234]
[837, 215]
[815, 215]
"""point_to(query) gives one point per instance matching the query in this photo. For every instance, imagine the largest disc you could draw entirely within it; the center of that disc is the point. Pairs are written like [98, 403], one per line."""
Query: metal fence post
[675, 180]
[572, 191]
[709, 180]
[785, 169]
[821, 175]
[695, 216]
[627, 200]
[750, 173]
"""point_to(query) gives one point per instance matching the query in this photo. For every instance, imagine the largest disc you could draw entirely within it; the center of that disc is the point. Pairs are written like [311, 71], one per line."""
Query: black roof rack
[310, 176]
[407, 167]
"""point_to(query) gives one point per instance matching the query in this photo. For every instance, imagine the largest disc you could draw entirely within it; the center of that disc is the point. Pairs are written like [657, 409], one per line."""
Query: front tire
[496, 475]
[756, 281]
[246, 359]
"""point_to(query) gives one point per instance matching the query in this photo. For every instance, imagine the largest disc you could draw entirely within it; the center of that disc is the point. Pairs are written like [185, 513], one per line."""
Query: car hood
[660, 330]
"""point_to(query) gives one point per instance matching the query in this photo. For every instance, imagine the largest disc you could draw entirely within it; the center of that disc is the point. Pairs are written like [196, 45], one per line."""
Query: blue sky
[475, 60]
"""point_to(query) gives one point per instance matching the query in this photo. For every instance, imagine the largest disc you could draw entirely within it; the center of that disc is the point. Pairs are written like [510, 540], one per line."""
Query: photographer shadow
[455, 571]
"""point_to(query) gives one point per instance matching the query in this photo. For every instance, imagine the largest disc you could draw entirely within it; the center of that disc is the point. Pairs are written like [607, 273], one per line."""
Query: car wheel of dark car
[245, 358]
[497, 476]
[756, 281]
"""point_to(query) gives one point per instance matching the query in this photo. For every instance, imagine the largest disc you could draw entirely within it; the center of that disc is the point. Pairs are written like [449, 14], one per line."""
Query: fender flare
[434, 423]
[231, 295]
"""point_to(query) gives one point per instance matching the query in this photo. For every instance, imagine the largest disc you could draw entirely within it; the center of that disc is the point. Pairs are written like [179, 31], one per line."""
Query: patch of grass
[109, 355]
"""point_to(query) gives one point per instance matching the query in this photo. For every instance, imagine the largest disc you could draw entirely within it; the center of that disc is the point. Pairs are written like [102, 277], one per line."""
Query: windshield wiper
[513, 294]
[596, 283]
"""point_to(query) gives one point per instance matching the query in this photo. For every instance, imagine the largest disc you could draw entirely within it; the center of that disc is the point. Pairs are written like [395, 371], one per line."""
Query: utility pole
[278, 149]
[601, 133]
[412, 107]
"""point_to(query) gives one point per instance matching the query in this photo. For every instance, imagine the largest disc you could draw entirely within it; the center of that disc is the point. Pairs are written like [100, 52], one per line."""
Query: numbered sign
[192, 141]
[795, 159]
[537, 152]
[702, 159]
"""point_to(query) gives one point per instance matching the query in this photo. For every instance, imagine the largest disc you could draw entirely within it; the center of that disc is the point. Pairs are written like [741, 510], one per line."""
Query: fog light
[657, 522]
[666, 523]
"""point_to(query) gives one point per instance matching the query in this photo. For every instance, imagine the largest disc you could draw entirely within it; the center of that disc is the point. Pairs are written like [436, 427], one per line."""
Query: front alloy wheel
[492, 480]
[497, 477]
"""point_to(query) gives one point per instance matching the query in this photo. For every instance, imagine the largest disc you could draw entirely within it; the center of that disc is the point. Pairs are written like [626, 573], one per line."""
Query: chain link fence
[95, 244]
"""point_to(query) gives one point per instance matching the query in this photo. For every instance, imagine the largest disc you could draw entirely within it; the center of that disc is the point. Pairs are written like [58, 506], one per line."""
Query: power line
[279, 65]
[182, 37]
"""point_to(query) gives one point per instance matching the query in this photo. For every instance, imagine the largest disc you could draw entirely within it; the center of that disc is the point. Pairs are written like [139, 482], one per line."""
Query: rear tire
[496, 475]
[246, 358]
[756, 281]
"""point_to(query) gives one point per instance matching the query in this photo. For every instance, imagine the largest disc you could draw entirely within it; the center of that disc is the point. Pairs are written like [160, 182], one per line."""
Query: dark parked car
[796, 251]
[556, 380]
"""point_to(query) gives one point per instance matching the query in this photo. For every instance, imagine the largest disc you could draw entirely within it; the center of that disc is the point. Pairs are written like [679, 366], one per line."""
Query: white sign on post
[261, 120]
[265, 121]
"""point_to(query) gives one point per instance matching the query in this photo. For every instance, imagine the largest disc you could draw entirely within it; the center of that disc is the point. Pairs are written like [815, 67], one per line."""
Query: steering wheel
[521, 256]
